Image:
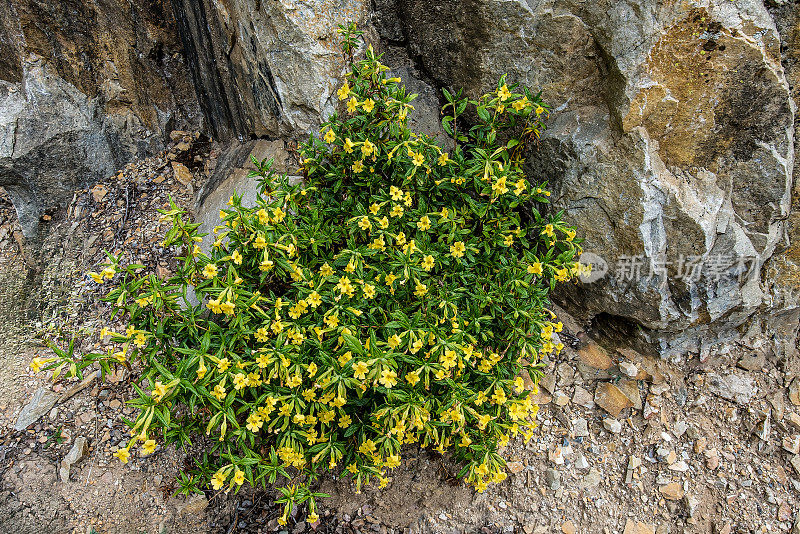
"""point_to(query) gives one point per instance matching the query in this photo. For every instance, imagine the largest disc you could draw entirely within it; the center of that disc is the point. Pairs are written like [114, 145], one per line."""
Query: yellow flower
[352, 105]
[326, 270]
[96, 277]
[364, 223]
[367, 148]
[330, 136]
[344, 358]
[504, 93]
[457, 249]
[368, 447]
[344, 91]
[236, 257]
[218, 480]
[369, 291]
[314, 299]
[499, 187]
[420, 290]
[412, 378]
[424, 223]
[348, 145]
[201, 371]
[548, 230]
[368, 105]
[123, 455]
[508, 240]
[223, 365]
[238, 477]
[210, 271]
[358, 166]
[390, 278]
[388, 378]
[428, 262]
[396, 193]
[312, 369]
[227, 307]
[394, 341]
[448, 359]
[521, 104]
[374, 208]
[239, 381]
[149, 446]
[443, 159]
[397, 211]
[418, 159]
[535, 268]
[519, 187]
[313, 517]
[360, 370]
[159, 390]
[383, 222]
[278, 214]
[539, 110]
[345, 421]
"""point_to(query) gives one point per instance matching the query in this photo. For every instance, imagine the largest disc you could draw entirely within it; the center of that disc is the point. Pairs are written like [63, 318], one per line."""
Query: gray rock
[580, 427]
[658, 179]
[70, 119]
[41, 403]
[733, 387]
[78, 451]
[552, 479]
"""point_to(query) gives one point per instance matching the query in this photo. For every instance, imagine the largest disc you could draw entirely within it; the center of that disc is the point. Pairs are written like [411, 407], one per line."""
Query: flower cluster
[398, 295]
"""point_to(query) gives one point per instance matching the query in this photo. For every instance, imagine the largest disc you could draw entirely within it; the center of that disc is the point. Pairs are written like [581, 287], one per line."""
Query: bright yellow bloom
[397, 211]
[396, 193]
[348, 145]
[159, 390]
[499, 187]
[535, 268]
[424, 223]
[368, 447]
[390, 278]
[123, 455]
[388, 378]
[364, 223]
[394, 341]
[236, 257]
[358, 166]
[149, 446]
[368, 105]
[504, 93]
[367, 148]
[457, 249]
[326, 270]
[418, 159]
[420, 290]
[374, 208]
[344, 91]
[360, 370]
[345, 421]
[443, 159]
[227, 307]
[521, 104]
[238, 477]
[330, 136]
[383, 222]
[369, 291]
[352, 105]
[539, 110]
[210, 271]
[412, 378]
[314, 299]
[344, 358]
[428, 262]
[223, 365]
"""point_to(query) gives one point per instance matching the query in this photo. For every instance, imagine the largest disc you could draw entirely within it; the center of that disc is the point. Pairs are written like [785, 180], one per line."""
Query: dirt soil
[627, 443]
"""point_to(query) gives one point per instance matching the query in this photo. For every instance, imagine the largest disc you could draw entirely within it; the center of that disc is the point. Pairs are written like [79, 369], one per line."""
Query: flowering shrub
[397, 295]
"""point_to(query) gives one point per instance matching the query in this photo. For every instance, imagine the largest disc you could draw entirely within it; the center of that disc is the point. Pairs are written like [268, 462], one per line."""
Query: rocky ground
[627, 443]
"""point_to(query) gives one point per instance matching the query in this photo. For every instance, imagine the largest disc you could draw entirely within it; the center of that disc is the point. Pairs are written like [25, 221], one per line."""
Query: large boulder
[265, 68]
[85, 87]
[670, 143]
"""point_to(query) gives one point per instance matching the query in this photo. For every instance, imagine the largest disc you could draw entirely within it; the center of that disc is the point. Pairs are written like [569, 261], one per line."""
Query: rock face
[85, 86]
[671, 142]
[264, 68]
